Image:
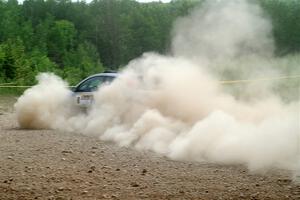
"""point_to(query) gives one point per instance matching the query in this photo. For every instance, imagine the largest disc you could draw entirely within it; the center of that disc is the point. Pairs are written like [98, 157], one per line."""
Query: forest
[76, 39]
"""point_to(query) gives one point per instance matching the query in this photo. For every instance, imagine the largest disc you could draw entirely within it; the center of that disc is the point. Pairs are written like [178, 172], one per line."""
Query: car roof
[110, 74]
[104, 74]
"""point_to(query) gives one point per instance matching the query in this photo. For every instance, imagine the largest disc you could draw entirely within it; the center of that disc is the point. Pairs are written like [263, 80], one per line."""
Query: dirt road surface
[49, 164]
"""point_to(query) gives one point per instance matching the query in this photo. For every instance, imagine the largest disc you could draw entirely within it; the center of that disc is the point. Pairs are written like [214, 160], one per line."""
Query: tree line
[76, 39]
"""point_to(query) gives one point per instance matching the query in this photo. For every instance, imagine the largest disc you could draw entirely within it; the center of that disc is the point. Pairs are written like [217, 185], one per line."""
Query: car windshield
[93, 83]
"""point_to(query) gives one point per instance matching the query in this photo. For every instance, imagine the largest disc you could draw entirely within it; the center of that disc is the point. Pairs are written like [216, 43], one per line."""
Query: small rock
[133, 184]
[9, 157]
[117, 169]
[50, 197]
[67, 151]
[60, 188]
[253, 196]
[94, 147]
[284, 180]
[92, 168]
[106, 167]
[63, 159]
[144, 171]
[84, 192]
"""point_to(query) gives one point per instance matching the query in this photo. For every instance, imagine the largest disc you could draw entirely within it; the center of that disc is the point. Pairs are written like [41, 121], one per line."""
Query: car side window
[109, 79]
[91, 84]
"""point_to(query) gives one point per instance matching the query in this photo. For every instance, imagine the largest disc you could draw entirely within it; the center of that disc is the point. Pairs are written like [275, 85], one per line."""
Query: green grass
[11, 91]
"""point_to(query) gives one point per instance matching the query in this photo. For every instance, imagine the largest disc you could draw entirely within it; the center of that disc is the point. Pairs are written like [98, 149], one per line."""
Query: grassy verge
[11, 91]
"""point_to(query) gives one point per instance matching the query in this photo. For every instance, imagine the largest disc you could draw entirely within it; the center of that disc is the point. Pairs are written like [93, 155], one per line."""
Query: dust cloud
[175, 105]
[222, 31]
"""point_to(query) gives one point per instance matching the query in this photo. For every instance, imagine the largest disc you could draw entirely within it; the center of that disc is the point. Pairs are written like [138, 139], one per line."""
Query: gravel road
[49, 164]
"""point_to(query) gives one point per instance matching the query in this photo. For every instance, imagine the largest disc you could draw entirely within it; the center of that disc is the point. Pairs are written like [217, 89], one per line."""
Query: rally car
[83, 91]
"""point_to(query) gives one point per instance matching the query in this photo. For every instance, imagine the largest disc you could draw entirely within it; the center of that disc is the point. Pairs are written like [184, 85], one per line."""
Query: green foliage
[81, 62]
[285, 16]
[76, 39]
[60, 40]
[12, 51]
